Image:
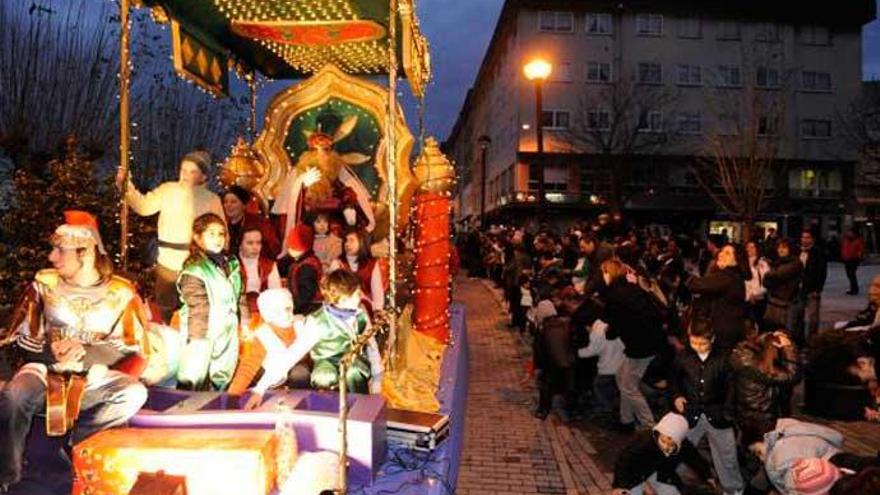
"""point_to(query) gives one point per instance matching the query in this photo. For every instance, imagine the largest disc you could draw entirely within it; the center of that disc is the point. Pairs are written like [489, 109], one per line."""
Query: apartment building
[640, 96]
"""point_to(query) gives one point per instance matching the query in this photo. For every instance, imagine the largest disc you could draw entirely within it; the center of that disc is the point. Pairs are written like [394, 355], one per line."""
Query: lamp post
[537, 71]
[484, 142]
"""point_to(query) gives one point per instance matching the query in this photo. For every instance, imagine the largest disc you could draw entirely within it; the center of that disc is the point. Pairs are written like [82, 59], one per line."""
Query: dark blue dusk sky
[459, 31]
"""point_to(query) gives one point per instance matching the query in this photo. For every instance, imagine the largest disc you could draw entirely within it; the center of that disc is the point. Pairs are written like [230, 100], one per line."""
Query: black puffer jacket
[706, 385]
[722, 299]
[631, 317]
[757, 392]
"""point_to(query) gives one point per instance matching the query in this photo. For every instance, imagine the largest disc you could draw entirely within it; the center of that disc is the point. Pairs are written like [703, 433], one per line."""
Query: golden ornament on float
[434, 172]
[242, 167]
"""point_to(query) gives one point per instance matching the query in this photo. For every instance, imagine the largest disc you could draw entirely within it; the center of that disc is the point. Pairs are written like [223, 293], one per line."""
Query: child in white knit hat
[652, 457]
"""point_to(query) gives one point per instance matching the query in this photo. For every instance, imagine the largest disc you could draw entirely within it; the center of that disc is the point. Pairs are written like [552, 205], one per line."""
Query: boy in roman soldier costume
[76, 328]
[328, 335]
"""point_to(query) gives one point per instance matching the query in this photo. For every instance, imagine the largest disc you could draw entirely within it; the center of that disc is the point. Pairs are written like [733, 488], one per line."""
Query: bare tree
[616, 122]
[742, 140]
[59, 63]
[860, 125]
[58, 66]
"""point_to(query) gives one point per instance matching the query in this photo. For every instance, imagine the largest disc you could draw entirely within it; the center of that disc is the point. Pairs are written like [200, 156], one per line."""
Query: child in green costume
[328, 334]
[209, 285]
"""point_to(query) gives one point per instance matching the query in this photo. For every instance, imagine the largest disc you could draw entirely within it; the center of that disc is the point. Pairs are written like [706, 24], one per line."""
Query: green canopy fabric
[285, 39]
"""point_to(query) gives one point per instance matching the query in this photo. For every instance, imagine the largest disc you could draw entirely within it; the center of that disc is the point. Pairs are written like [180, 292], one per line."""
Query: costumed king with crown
[76, 328]
[323, 182]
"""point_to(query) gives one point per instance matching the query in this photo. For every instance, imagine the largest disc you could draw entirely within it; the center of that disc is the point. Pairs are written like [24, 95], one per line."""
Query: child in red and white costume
[258, 272]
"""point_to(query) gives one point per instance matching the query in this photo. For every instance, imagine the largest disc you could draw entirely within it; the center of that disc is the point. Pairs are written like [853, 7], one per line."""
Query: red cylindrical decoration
[431, 298]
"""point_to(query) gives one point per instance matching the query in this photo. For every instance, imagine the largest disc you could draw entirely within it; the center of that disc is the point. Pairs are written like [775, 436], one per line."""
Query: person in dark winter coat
[766, 367]
[555, 358]
[702, 390]
[628, 312]
[782, 283]
[518, 267]
[652, 457]
[809, 300]
[722, 297]
[596, 253]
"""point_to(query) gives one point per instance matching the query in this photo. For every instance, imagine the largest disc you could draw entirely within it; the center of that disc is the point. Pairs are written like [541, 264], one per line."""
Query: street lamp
[537, 71]
[484, 142]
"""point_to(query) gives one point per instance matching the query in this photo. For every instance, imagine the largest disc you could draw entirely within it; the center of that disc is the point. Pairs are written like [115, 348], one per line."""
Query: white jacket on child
[610, 352]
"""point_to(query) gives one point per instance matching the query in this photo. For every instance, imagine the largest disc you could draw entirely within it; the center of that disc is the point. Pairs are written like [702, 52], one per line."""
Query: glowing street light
[537, 71]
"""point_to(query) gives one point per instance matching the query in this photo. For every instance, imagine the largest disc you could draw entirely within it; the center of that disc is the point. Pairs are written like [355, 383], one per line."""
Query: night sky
[459, 32]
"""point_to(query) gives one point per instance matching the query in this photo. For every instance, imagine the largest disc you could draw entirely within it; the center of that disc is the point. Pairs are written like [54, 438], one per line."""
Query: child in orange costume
[268, 344]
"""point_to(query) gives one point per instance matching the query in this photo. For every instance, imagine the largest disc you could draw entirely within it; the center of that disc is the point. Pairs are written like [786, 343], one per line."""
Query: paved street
[506, 450]
[836, 305]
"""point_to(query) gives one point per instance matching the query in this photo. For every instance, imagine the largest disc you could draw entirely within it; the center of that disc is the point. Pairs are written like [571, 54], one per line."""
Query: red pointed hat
[300, 238]
[80, 229]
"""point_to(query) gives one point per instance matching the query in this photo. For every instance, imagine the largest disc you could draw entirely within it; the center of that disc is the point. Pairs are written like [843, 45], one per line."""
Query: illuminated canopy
[286, 39]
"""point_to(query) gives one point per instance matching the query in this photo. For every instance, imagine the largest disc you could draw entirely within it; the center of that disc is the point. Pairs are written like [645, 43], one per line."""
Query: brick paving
[506, 450]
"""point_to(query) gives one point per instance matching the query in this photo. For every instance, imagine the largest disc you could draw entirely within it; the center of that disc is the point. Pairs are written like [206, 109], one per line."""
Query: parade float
[339, 115]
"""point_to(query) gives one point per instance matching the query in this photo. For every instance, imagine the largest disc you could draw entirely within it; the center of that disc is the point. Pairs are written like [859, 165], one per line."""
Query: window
[767, 31]
[729, 76]
[535, 172]
[690, 27]
[598, 119]
[768, 125]
[598, 23]
[650, 73]
[690, 122]
[650, 121]
[555, 22]
[815, 35]
[555, 119]
[812, 182]
[598, 72]
[729, 30]
[561, 72]
[689, 75]
[649, 24]
[812, 80]
[815, 128]
[767, 77]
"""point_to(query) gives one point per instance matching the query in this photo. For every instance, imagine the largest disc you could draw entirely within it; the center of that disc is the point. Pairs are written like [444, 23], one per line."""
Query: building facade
[644, 95]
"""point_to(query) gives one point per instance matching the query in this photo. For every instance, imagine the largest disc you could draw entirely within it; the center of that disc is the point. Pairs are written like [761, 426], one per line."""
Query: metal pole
[483, 189]
[124, 130]
[252, 115]
[343, 429]
[539, 129]
[391, 149]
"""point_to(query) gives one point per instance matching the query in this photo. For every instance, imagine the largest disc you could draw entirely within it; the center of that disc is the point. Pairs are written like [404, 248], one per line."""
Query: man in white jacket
[178, 204]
